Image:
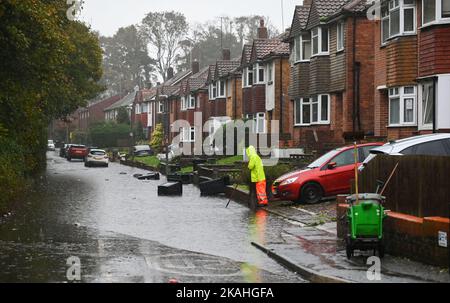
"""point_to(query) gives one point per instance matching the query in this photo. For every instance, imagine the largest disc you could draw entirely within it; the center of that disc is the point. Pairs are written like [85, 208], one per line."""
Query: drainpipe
[234, 98]
[281, 95]
[434, 105]
[356, 83]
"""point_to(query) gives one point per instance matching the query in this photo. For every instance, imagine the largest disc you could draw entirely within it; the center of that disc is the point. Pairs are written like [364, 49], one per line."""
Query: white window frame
[160, 107]
[261, 68]
[260, 117]
[183, 103]
[394, 5]
[438, 19]
[301, 103]
[192, 102]
[188, 135]
[421, 124]
[319, 110]
[221, 84]
[299, 41]
[319, 41]
[213, 91]
[399, 93]
[247, 72]
[270, 73]
[340, 36]
[137, 109]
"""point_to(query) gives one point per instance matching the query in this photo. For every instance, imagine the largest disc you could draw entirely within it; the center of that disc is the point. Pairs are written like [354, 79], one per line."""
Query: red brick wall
[259, 99]
[434, 50]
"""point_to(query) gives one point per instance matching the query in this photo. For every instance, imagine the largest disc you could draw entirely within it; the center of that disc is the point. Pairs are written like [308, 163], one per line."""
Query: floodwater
[119, 230]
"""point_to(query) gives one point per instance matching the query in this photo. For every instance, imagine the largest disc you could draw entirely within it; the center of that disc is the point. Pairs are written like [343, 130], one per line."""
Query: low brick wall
[407, 236]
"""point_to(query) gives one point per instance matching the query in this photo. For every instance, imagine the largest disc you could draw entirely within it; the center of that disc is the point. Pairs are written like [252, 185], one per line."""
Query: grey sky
[107, 16]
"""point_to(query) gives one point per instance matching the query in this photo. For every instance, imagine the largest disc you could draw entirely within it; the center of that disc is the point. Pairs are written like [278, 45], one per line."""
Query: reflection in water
[257, 228]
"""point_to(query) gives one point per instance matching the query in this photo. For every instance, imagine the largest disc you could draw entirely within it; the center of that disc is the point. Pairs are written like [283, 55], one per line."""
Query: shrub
[109, 134]
[157, 138]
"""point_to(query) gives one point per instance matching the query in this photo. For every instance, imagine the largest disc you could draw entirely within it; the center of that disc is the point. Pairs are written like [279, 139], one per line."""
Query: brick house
[94, 112]
[332, 73]
[270, 61]
[412, 79]
[127, 102]
[143, 111]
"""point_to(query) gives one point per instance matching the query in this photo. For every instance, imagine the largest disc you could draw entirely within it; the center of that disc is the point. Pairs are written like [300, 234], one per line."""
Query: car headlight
[289, 181]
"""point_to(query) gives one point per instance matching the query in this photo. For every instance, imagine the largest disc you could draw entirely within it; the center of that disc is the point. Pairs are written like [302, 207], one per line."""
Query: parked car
[63, 150]
[327, 176]
[425, 145]
[142, 151]
[96, 157]
[76, 152]
[51, 145]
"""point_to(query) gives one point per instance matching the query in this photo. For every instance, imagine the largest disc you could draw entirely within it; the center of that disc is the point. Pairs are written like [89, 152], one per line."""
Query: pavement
[310, 247]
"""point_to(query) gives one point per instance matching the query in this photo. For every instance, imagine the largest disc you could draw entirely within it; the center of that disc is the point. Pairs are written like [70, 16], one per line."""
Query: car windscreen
[322, 160]
[97, 153]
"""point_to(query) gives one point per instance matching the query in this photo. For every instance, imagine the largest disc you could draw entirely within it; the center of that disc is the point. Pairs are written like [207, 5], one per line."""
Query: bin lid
[362, 197]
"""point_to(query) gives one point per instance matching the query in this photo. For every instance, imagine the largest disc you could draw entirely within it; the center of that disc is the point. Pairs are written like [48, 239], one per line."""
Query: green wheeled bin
[365, 224]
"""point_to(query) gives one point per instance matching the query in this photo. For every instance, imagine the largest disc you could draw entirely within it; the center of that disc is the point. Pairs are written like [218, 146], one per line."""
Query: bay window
[191, 104]
[434, 11]
[302, 47]
[398, 17]
[320, 41]
[402, 106]
[188, 134]
[160, 107]
[258, 73]
[270, 73]
[213, 91]
[248, 77]
[221, 89]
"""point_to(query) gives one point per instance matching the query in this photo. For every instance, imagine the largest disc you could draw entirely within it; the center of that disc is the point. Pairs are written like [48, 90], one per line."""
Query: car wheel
[311, 193]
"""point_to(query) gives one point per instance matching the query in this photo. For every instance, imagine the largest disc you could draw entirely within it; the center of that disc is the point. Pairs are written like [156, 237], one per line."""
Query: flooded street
[121, 231]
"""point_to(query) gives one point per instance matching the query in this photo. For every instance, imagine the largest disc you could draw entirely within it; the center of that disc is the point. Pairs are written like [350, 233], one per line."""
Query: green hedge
[109, 134]
[12, 168]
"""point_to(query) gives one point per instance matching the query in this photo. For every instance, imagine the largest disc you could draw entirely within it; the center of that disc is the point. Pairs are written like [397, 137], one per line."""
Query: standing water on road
[121, 231]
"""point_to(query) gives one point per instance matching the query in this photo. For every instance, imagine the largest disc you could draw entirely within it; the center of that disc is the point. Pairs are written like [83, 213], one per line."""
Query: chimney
[307, 2]
[226, 54]
[169, 73]
[195, 67]
[262, 30]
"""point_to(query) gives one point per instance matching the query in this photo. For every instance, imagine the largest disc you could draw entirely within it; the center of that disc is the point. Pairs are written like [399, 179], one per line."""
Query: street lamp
[130, 110]
[166, 128]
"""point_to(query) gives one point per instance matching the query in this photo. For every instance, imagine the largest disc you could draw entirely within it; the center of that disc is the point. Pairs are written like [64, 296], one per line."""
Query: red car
[77, 152]
[327, 176]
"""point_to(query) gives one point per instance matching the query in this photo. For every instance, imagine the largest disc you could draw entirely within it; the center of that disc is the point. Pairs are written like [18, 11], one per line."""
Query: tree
[122, 116]
[126, 61]
[163, 32]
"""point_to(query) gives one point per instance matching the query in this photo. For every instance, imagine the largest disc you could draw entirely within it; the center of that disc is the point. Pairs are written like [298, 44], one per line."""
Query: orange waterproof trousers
[261, 193]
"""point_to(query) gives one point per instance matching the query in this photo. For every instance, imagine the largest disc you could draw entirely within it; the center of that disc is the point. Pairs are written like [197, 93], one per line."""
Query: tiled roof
[224, 68]
[246, 54]
[326, 8]
[263, 48]
[125, 101]
[302, 13]
[177, 78]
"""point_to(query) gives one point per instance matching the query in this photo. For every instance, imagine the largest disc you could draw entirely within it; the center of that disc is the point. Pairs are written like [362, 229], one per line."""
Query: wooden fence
[420, 187]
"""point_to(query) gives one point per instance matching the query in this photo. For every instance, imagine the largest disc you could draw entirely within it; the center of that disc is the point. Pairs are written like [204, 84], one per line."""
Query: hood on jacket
[251, 151]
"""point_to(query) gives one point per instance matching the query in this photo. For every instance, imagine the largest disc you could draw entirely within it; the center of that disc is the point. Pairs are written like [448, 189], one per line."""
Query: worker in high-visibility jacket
[256, 168]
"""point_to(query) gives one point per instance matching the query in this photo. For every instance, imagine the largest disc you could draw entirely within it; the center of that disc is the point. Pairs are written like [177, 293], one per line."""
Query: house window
[427, 106]
[302, 48]
[160, 107]
[260, 123]
[138, 109]
[248, 76]
[340, 36]
[302, 112]
[402, 106]
[270, 73]
[188, 134]
[261, 73]
[320, 41]
[183, 103]
[191, 104]
[445, 5]
[398, 17]
[221, 89]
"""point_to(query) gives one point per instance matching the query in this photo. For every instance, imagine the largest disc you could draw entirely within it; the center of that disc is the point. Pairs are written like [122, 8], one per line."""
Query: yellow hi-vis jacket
[255, 165]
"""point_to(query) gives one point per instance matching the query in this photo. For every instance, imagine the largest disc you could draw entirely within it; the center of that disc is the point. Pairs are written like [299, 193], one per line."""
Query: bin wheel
[381, 251]
[349, 252]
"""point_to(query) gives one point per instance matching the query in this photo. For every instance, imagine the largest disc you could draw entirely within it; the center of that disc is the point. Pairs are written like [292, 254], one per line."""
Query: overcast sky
[107, 16]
